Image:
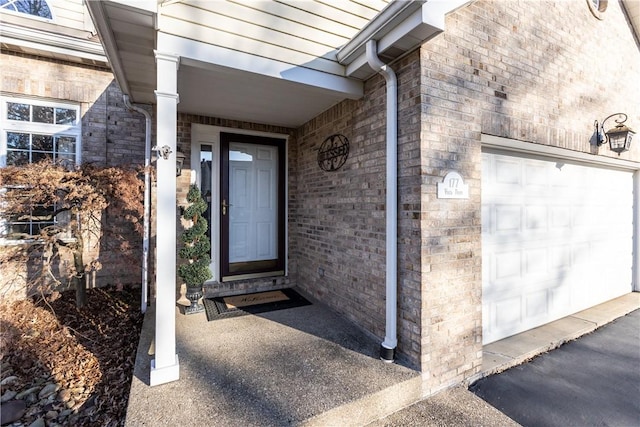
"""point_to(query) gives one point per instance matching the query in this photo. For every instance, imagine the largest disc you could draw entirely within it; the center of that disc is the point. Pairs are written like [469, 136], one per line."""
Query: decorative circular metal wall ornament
[333, 152]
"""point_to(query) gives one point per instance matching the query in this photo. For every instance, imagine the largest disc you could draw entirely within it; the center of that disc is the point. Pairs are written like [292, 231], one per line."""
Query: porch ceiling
[239, 95]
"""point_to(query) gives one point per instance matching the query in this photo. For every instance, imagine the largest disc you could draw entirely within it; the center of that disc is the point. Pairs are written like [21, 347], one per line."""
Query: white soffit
[633, 10]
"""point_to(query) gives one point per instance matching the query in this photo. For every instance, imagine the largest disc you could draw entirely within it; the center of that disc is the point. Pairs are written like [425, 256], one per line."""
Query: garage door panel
[509, 311]
[536, 217]
[557, 238]
[536, 262]
[508, 173]
[560, 217]
[536, 178]
[508, 266]
[508, 218]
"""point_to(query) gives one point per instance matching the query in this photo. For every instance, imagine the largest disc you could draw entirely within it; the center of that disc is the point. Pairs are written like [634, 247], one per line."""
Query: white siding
[68, 13]
[300, 32]
[70, 18]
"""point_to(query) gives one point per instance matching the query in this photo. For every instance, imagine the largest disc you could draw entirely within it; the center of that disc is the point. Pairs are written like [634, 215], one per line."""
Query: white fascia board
[204, 53]
[375, 29]
[54, 50]
[101, 22]
[416, 21]
[46, 41]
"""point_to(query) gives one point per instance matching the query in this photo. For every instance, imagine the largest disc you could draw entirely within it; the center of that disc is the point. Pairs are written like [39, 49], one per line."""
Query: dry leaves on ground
[71, 366]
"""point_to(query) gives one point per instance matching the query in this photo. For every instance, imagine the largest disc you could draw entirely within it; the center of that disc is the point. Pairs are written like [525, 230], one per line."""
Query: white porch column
[165, 366]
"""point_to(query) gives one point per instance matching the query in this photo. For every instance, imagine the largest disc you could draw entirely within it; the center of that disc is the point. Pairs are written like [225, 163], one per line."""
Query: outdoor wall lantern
[179, 162]
[619, 137]
[165, 151]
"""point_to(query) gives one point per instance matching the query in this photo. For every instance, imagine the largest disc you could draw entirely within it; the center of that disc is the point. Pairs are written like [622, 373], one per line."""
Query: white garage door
[557, 237]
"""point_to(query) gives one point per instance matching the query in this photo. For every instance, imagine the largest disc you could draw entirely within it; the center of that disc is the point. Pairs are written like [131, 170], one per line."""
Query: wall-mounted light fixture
[165, 151]
[619, 137]
[179, 162]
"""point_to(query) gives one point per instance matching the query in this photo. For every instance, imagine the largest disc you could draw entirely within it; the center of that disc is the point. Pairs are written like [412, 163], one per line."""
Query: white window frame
[28, 15]
[74, 130]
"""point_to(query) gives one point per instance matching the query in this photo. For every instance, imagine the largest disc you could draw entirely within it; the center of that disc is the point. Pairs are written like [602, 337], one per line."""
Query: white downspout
[636, 231]
[147, 202]
[388, 346]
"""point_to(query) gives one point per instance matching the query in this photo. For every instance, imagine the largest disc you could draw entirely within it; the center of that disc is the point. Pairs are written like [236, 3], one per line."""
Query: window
[598, 7]
[31, 131]
[39, 8]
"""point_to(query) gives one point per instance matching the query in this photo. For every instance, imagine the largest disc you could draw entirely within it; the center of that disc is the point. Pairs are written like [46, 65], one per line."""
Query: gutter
[388, 346]
[147, 202]
[398, 29]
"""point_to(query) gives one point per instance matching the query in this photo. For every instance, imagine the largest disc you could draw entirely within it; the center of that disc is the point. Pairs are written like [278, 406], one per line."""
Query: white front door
[557, 237]
[251, 206]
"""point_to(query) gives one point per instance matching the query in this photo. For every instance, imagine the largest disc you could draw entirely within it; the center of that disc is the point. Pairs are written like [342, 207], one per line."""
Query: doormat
[256, 303]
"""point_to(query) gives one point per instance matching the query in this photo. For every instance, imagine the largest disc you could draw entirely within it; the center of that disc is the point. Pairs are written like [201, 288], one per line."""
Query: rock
[64, 414]
[11, 411]
[64, 395]
[9, 380]
[24, 393]
[31, 399]
[7, 396]
[48, 390]
[38, 423]
[50, 415]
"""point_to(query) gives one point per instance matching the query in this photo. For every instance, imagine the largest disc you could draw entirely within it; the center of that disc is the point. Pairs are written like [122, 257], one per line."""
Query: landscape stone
[7, 396]
[27, 392]
[64, 395]
[38, 423]
[9, 380]
[11, 411]
[48, 390]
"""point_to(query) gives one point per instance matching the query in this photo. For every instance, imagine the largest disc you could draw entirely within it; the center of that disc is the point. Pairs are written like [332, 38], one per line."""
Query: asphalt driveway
[593, 381]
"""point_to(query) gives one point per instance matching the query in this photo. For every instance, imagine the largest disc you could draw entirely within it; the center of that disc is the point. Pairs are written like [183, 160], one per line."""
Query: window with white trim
[39, 8]
[32, 130]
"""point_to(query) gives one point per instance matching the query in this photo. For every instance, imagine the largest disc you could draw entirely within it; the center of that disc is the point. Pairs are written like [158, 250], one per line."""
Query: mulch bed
[71, 366]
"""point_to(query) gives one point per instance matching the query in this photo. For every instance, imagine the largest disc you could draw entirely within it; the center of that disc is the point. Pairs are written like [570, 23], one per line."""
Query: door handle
[225, 206]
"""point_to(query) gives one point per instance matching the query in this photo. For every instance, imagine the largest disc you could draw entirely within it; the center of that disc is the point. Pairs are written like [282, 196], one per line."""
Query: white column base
[164, 375]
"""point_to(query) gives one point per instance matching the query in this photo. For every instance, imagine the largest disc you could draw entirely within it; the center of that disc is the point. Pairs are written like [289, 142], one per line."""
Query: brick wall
[111, 135]
[338, 218]
[533, 71]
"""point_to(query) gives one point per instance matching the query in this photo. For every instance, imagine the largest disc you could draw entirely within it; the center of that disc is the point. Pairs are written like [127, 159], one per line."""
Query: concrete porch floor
[297, 366]
[308, 366]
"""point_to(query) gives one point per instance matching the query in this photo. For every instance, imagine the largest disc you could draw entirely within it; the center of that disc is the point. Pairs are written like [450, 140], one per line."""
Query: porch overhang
[213, 80]
[222, 82]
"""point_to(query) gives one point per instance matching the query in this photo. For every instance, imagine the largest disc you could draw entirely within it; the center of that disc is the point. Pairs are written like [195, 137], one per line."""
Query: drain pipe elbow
[388, 346]
[147, 202]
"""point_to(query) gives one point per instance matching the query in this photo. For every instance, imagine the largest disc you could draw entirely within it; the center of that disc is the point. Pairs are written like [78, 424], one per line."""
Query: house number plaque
[453, 187]
[333, 152]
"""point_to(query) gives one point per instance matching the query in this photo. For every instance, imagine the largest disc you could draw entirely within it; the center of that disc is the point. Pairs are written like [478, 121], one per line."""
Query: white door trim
[506, 144]
[211, 135]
